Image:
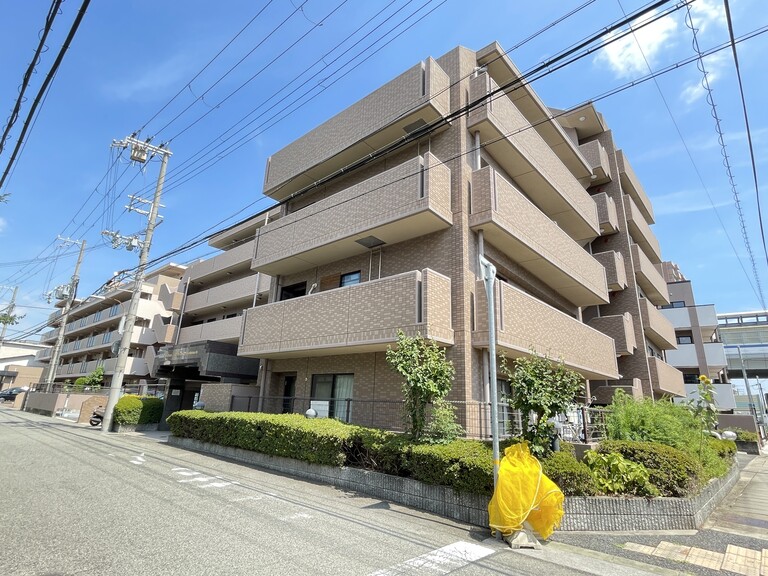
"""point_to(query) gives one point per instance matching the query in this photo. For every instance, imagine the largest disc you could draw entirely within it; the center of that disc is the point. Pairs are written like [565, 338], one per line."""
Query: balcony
[524, 323]
[232, 260]
[606, 213]
[415, 99]
[621, 328]
[597, 158]
[615, 271]
[516, 226]
[631, 185]
[604, 393]
[702, 318]
[537, 114]
[530, 162]
[360, 318]
[649, 278]
[657, 328]
[640, 231]
[665, 379]
[405, 202]
[223, 296]
[686, 357]
[226, 330]
[133, 367]
[50, 336]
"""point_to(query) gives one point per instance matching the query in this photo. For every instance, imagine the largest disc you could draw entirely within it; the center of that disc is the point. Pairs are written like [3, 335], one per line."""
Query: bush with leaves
[442, 427]
[428, 376]
[614, 474]
[571, 476]
[542, 387]
[744, 435]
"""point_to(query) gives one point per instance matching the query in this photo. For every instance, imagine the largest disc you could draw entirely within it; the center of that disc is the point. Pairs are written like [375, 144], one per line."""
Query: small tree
[543, 388]
[704, 409]
[10, 319]
[428, 376]
[93, 381]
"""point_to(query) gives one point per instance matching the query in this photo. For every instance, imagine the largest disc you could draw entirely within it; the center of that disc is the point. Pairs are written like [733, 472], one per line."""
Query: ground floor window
[331, 395]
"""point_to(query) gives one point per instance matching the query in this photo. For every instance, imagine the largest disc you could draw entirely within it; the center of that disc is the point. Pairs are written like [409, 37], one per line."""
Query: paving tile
[672, 551]
[742, 560]
[705, 558]
[642, 548]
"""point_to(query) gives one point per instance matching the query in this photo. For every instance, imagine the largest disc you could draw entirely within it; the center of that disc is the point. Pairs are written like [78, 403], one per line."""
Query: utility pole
[139, 153]
[8, 311]
[68, 292]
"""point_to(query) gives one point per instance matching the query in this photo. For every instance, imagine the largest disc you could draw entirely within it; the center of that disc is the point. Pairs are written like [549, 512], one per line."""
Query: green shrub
[614, 474]
[442, 427]
[319, 441]
[127, 410]
[132, 410]
[464, 465]
[725, 449]
[571, 476]
[151, 410]
[672, 471]
[380, 450]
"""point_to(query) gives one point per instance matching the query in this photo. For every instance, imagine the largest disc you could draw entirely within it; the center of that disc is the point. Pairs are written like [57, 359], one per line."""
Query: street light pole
[139, 152]
[489, 276]
[53, 363]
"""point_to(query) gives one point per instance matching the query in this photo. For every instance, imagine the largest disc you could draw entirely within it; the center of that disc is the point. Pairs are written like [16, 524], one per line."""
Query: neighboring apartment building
[699, 350]
[20, 352]
[93, 330]
[746, 333]
[393, 244]
[201, 363]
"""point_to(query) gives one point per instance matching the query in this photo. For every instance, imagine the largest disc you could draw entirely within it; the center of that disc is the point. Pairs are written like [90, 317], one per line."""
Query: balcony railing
[416, 98]
[621, 328]
[665, 379]
[606, 213]
[233, 259]
[525, 324]
[615, 271]
[649, 278]
[225, 330]
[597, 157]
[686, 356]
[517, 227]
[657, 328]
[530, 162]
[405, 202]
[641, 232]
[133, 367]
[630, 184]
[222, 295]
[360, 318]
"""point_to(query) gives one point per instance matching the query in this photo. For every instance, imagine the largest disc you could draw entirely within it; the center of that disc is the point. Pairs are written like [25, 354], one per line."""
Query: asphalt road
[75, 501]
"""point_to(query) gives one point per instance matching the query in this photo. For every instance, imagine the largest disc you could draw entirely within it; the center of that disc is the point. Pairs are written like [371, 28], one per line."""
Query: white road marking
[298, 516]
[440, 561]
[197, 479]
[138, 459]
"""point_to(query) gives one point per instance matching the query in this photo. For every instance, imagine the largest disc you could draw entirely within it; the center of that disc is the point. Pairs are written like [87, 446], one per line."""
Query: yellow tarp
[523, 493]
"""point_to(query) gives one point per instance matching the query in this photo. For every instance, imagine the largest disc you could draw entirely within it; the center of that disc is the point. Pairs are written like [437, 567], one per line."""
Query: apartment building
[699, 350]
[201, 363]
[93, 330]
[368, 244]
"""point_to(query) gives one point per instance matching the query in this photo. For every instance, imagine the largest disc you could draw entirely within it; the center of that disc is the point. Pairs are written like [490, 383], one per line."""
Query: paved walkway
[745, 510]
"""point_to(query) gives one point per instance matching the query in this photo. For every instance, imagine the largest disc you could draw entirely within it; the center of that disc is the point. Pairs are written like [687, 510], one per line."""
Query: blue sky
[130, 58]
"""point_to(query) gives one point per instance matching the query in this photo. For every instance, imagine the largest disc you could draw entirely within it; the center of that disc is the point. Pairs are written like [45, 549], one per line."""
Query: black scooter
[97, 416]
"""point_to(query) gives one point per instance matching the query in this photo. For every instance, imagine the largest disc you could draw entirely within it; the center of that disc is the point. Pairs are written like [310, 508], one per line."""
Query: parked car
[9, 394]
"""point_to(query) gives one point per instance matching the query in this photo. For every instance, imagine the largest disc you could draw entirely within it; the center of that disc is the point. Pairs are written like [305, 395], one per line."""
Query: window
[684, 340]
[674, 304]
[331, 395]
[349, 279]
[691, 378]
[293, 291]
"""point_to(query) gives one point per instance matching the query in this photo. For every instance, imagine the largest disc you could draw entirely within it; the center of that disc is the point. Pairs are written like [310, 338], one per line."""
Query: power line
[53, 11]
[44, 88]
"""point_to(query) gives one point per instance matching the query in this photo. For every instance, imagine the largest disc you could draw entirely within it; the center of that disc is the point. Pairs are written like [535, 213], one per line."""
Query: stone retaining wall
[592, 513]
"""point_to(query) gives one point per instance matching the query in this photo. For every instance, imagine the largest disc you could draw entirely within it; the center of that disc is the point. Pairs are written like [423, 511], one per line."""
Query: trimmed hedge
[464, 465]
[672, 471]
[571, 476]
[132, 410]
[725, 449]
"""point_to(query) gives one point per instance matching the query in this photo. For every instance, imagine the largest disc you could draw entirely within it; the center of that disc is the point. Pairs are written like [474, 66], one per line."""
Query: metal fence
[474, 416]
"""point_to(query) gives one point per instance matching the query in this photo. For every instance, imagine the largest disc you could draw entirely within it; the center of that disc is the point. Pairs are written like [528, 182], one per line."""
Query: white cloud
[684, 202]
[155, 80]
[625, 58]
[707, 12]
